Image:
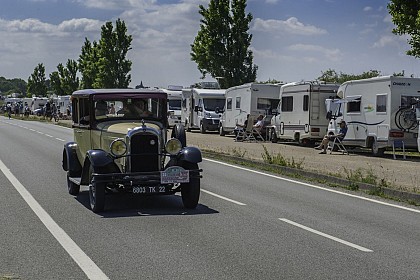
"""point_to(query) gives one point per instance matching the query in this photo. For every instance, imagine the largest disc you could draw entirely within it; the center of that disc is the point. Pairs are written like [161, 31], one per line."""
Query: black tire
[202, 128]
[222, 132]
[274, 138]
[190, 192]
[73, 188]
[178, 132]
[377, 152]
[96, 194]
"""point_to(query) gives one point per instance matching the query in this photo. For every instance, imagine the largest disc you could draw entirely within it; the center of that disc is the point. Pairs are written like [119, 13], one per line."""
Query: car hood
[123, 128]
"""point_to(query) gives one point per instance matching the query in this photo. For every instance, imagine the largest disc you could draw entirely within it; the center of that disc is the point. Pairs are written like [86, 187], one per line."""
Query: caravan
[201, 108]
[302, 111]
[174, 104]
[253, 99]
[379, 112]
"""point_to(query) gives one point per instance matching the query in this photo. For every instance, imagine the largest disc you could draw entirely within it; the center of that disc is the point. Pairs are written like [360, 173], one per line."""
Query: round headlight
[118, 147]
[173, 146]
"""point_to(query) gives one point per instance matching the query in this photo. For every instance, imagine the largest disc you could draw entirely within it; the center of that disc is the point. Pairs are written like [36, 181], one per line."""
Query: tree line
[220, 49]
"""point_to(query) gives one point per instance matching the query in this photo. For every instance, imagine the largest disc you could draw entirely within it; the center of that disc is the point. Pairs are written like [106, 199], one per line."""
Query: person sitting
[258, 127]
[327, 138]
[240, 127]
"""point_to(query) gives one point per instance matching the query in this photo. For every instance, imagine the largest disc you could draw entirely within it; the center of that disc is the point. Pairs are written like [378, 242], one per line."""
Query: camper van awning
[347, 99]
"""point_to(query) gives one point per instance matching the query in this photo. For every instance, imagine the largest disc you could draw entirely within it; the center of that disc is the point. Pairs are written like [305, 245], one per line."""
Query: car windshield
[129, 108]
[212, 104]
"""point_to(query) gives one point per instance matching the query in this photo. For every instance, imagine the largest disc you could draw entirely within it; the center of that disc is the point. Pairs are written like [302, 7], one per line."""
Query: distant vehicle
[37, 103]
[128, 151]
[201, 108]
[253, 99]
[39, 112]
[378, 112]
[174, 104]
[301, 112]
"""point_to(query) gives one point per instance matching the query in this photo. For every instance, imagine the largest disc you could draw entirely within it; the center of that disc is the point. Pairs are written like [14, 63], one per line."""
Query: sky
[293, 40]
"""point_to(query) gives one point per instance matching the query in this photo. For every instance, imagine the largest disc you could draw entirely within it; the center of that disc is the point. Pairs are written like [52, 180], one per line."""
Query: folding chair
[257, 134]
[337, 145]
[240, 135]
[249, 135]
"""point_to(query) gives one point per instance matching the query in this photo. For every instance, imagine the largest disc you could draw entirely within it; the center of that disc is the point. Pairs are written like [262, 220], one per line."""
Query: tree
[65, 80]
[406, 16]
[331, 76]
[88, 64]
[9, 86]
[113, 67]
[221, 47]
[37, 82]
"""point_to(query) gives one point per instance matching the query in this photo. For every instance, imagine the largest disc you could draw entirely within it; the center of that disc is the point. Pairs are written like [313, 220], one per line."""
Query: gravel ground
[399, 174]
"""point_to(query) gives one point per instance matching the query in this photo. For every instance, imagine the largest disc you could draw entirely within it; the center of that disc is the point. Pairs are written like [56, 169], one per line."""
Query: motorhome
[249, 99]
[301, 112]
[174, 104]
[201, 108]
[38, 103]
[379, 112]
[63, 101]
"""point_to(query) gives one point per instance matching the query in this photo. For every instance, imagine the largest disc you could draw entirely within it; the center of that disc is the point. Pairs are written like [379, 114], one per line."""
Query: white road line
[91, 270]
[59, 139]
[31, 129]
[363, 249]
[315, 187]
[49, 135]
[222, 197]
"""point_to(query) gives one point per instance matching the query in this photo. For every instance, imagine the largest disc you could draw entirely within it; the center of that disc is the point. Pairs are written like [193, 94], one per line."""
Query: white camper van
[201, 108]
[301, 112]
[174, 104]
[63, 102]
[252, 99]
[38, 103]
[375, 110]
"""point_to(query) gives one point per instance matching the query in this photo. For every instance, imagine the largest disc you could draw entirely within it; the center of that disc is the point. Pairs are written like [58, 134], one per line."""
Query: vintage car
[121, 145]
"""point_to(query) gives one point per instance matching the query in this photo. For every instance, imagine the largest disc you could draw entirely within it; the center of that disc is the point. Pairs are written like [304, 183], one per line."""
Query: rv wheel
[202, 128]
[221, 131]
[273, 136]
[376, 151]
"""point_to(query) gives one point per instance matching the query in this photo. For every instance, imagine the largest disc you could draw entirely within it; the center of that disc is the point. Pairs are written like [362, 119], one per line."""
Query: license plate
[174, 174]
[149, 189]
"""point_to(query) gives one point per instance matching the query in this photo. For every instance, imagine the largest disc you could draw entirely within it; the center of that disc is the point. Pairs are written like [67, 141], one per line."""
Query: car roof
[145, 91]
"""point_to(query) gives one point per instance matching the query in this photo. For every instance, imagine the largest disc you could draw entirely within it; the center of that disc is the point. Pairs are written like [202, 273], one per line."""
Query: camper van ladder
[315, 107]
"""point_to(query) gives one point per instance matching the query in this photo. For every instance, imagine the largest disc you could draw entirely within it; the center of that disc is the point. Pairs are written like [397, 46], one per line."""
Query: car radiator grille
[144, 153]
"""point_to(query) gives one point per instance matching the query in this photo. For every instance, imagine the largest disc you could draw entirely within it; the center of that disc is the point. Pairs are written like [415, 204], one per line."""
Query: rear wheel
[72, 187]
[222, 131]
[96, 194]
[376, 151]
[190, 192]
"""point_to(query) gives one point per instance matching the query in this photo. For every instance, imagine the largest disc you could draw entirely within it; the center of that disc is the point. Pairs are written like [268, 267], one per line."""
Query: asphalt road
[249, 225]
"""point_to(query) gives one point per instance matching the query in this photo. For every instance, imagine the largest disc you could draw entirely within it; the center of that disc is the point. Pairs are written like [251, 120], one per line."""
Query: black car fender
[190, 154]
[101, 162]
[70, 161]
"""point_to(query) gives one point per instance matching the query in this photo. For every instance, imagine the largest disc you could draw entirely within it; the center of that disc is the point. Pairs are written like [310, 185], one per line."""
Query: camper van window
[212, 104]
[174, 104]
[238, 103]
[229, 104]
[381, 103]
[287, 104]
[305, 103]
[354, 105]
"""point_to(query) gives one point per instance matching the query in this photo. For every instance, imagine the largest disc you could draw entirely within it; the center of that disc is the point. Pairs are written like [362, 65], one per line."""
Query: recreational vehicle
[201, 108]
[379, 112]
[253, 99]
[37, 103]
[174, 104]
[301, 112]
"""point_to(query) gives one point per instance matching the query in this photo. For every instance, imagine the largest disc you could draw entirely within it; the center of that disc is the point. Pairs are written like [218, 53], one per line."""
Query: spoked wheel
[72, 187]
[190, 192]
[406, 119]
[96, 194]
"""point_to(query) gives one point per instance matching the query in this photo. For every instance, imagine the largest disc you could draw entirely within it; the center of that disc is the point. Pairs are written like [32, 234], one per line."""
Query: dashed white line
[223, 197]
[59, 139]
[91, 270]
[360, 248]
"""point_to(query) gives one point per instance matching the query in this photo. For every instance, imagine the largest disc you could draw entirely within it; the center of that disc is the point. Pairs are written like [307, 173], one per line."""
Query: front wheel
[190, 192]
[202, 128]
[222, 132]
[72, 187]
[274, 138]
[96, 194]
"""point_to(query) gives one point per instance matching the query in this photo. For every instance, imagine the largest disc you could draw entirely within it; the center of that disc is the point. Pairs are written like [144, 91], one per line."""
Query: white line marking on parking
[91, 270]
[222, 197]
[315, 187]
[360, 248]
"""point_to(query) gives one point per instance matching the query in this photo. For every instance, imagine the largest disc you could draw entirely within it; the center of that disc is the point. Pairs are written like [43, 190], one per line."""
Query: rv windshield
[212, 104]
[174, 104]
